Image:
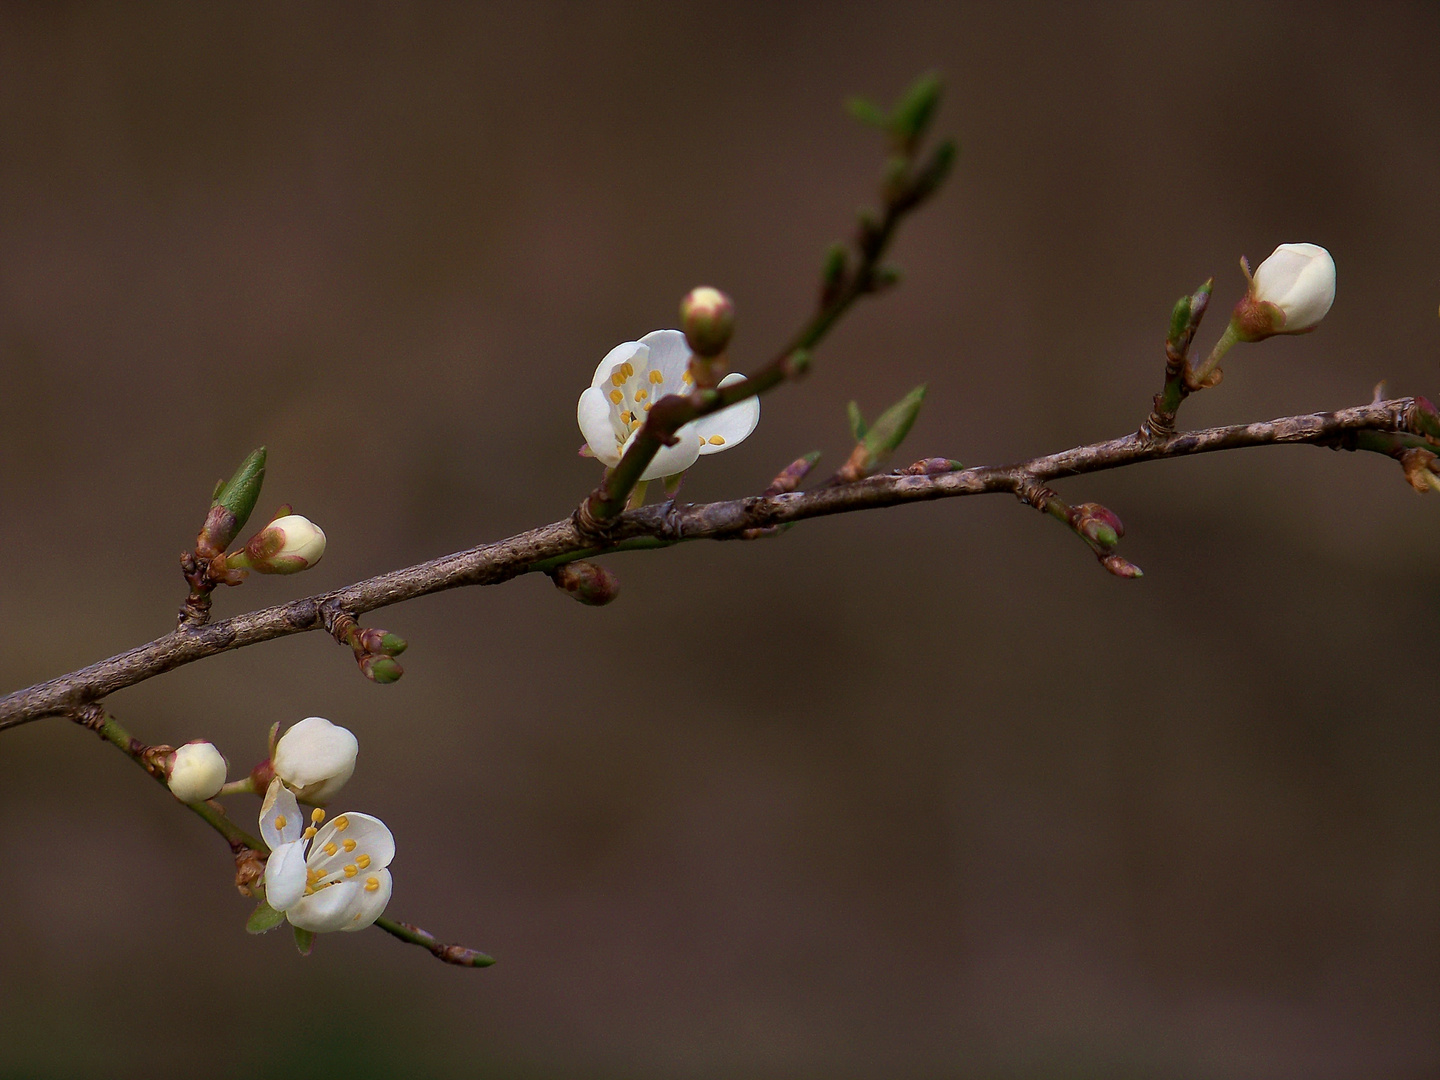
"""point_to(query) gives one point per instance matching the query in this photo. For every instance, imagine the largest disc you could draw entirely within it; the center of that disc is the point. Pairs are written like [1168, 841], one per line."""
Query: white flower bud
[1290, 292]
[286, 546]
[196, 772]
[315, 758]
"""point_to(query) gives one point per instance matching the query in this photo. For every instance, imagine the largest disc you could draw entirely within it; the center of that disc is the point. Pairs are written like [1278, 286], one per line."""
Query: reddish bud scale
[591, 585]
[1255, 320]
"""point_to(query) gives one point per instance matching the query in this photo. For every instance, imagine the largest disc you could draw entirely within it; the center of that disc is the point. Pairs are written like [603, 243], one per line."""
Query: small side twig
[459, 955]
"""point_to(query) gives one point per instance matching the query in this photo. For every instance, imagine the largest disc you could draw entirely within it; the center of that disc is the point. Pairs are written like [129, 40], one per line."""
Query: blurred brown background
[919, 793]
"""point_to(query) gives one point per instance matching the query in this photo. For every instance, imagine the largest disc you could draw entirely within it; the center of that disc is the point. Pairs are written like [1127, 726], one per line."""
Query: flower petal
[732, 425]
[285, 875]
[370, 836]
[593, 413]
[670, 355]
[315, 751]
[327, 909]
[372, 901]
[671, 459]
[280, 819]
[632, 351]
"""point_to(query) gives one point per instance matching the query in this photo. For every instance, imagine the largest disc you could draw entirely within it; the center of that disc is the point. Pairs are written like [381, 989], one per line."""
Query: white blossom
[1299, 281]
[324, 875]
[635, 375]
[287, 545]
[197, 772]
[315, 758]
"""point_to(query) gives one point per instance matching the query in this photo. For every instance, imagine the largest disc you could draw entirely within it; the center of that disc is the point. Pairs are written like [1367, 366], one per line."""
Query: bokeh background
[916, 793]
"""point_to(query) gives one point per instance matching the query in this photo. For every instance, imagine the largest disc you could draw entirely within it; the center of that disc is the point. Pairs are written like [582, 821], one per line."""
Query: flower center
[334, 862]
[632, 391]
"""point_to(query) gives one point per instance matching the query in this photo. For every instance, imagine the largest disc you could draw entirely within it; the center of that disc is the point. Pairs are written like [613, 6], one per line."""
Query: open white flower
[631, 378]
[315, 758]
[324, 875]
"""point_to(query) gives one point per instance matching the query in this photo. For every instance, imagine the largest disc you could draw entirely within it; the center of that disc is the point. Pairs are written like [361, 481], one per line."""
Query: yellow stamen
[342, 823]
[372, 884]
[362, 861]
[317, 815]
[330, 848]
[647, 406]
[618, 375]
[628, 368]
[616, 396]
[310, 833]
[627, 416]
[656, 377]
[351, 870]
[641, 395]
[717, 440]
[349, 845]
[280, 821]
[686, 379]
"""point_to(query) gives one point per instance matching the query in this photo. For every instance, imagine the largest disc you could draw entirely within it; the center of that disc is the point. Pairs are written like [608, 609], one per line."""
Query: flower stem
[1227, 340]
[116, 734]
[459, 955]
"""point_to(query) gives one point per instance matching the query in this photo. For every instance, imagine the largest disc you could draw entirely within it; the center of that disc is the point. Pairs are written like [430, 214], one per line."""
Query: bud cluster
[289, 544]
[375, 650]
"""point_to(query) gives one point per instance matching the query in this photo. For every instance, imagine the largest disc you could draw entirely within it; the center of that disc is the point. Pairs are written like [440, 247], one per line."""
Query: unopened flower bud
[707, 316]
[590, 584]
[1290, 292]
[315, 758]
[286, 546]
[380, 669]
[381, 642]
[1099, 526]
[195, 772]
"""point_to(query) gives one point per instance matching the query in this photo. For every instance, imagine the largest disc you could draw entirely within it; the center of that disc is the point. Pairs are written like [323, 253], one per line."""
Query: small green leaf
[240, 493]
[857, 421]
[891, 427]
[933, 173]
[304, 941]
[867, 112]
[916, 109]
[263, 919]
[1179, 320]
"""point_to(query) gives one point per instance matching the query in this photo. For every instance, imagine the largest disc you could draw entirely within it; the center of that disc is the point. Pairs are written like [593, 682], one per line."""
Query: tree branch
[1395, 427]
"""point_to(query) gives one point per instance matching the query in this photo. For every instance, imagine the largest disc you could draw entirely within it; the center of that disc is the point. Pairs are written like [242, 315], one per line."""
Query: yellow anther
[330, 848]
[617, 377]
[371, 884]
[349, 845]
[342, 823]
[627, 416]
[616, 396]
[317, 815]
[280, 821]
[686, 378]
[309, 890]
[717, 440]
[641, 395]
[351, 870]
[310, 833]
[628, 368]
[656, 377]
[647, 406]
[362, 861]
[314, 875]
